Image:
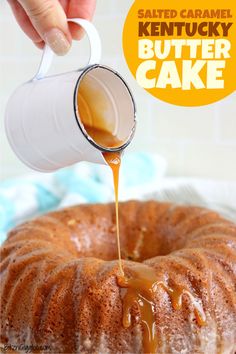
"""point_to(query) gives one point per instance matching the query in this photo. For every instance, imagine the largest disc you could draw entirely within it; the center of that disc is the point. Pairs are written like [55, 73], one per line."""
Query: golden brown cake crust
[59, 288]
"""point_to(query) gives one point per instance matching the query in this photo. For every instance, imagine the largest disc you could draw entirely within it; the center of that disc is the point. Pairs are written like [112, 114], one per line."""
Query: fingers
[49, 20]
[45, 20]
[24, 22]
[83, 9]
[40, 45]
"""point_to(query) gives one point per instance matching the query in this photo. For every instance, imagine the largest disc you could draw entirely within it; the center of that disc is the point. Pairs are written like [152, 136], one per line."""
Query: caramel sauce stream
[114, 160]
[91, 109]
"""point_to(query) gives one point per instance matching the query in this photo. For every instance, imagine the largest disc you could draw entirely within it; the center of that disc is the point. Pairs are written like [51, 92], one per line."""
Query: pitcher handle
[95, 48]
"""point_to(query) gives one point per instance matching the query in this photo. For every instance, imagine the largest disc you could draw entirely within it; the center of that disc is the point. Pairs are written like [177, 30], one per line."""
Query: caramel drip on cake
[176, 295]
[140, 290]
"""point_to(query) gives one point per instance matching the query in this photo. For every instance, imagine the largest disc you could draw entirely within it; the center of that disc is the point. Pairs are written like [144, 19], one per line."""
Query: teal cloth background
[28, 196]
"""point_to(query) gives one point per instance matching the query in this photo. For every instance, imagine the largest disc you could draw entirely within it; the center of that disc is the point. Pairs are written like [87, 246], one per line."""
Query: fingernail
[57, 41]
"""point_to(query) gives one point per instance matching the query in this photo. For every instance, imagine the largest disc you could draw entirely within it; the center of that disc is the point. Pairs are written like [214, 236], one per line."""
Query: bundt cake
[60, 284]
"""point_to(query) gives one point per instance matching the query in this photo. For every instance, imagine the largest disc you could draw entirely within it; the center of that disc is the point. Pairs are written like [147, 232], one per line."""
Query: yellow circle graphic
[182, 52]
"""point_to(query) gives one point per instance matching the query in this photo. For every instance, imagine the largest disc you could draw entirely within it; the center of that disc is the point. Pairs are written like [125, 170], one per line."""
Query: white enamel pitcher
[42, 119]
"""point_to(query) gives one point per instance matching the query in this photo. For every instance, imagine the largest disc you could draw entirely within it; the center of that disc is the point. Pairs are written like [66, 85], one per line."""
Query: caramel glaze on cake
[60, 282]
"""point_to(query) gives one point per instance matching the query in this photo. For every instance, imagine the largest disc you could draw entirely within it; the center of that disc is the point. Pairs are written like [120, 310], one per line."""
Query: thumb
[49, 20]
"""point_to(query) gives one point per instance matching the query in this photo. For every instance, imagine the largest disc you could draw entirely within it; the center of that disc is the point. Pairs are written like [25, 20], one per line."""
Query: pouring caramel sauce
[140, 288]
[100, 131]
[113, 159]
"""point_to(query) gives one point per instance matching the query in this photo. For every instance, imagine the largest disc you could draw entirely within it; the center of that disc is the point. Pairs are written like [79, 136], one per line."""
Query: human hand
[45, 21]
